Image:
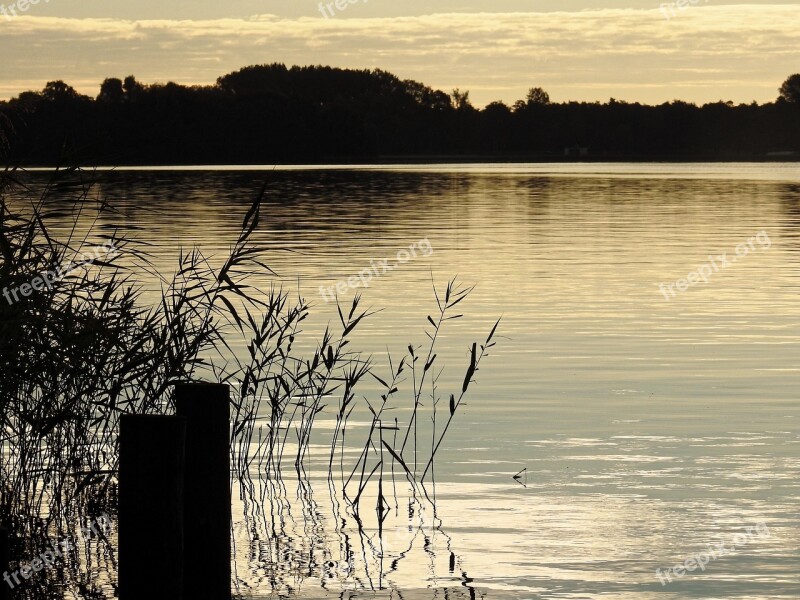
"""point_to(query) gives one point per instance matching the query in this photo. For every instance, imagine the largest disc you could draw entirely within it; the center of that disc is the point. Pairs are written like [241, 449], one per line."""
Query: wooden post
[151, 461]
[5, 559]
[207, 481]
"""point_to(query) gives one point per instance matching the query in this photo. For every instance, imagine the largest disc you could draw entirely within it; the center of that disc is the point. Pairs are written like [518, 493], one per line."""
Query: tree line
[273, 114]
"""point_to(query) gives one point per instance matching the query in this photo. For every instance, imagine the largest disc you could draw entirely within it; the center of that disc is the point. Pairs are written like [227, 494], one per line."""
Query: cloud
[703, 53]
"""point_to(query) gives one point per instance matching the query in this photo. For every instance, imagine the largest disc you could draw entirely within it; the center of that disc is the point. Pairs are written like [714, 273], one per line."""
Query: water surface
[649, 426]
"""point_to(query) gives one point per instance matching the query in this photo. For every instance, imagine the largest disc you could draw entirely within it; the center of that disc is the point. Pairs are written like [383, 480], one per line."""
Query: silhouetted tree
[55, 91]
[461, 100]
[790, 90]
[132, 88]
[26, 102]
[111, 91]
[427, 97]
[258, 79]
[537, 95]
[497, 124]
[497, 108]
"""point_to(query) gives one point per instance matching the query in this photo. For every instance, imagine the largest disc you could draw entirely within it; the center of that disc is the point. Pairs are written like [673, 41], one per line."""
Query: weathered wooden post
[5, 558]
[207, 500]
[151, 496]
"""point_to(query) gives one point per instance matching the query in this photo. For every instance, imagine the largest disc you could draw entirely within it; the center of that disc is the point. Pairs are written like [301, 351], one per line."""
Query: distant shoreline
[264, 114]
[433, 161]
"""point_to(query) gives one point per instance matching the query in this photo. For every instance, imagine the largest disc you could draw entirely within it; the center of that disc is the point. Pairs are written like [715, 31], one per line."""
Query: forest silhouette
[273, 114]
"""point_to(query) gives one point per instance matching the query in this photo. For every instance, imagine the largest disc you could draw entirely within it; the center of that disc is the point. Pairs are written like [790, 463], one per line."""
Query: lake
[644, 385]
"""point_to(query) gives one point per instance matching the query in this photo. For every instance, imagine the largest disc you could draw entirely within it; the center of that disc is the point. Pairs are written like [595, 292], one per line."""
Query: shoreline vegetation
[78, 354]
[272, 114]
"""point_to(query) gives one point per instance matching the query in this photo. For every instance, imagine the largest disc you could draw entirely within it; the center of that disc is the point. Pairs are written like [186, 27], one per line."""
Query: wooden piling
[151, 504]
[207, 480]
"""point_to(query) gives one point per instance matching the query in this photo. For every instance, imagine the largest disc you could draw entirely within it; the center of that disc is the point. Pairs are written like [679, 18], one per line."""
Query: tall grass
[76, 357]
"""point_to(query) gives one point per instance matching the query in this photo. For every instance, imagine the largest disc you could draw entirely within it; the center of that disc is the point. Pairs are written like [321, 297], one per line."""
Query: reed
[79, 354]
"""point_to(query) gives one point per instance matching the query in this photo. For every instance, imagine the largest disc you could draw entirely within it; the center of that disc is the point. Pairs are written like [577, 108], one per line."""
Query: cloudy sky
[576, 49]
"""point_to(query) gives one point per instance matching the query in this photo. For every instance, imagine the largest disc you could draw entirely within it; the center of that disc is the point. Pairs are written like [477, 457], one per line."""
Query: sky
[585, 50]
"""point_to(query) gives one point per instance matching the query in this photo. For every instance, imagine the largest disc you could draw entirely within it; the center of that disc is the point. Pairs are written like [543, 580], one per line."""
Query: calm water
[649, 427]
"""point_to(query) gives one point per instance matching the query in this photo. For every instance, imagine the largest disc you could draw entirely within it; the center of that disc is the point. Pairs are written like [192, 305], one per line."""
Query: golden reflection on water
[649, 427]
